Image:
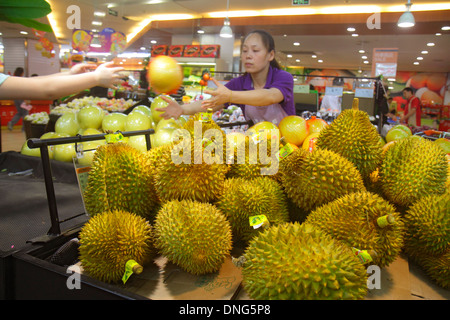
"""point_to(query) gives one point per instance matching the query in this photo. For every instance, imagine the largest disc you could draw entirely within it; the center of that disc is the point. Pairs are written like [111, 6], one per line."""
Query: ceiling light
[406, 20]
[363, 57]
[200, 31]
[153, 41]
[296, 43]
[361, 51]
[424, 52]
[445, 28]
[99, 13]
[96, 23]
[366, 61]
[419, 58]
[289, 55]
[354, 34]
[297, 60]
[23, 32]
[226, 31]
[416, 63]
[313, 56]
[438, 34]
[142, 48]
[430, 44]
[351, 29]
[319, 61]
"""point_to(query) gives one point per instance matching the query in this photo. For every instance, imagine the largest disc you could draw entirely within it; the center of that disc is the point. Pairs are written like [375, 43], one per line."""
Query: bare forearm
[258, 97]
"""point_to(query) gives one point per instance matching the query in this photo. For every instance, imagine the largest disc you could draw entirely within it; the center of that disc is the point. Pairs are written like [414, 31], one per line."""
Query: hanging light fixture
[406, 19]
[226, 31]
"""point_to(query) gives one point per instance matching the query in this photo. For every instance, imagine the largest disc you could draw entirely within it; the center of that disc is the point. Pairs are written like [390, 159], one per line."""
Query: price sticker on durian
[114, 137]
[258, 221]
[286, 150]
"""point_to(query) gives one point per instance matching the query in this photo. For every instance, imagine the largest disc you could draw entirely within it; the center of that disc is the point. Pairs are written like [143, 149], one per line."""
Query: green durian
[120, 178]
[437, 267]
[244, 198]
[365, 221]
[293, 261]
[412, 168]
[184, 172]
[354, 137]
[111, 239]
[427, 224]
[311, 179]
[193, 235]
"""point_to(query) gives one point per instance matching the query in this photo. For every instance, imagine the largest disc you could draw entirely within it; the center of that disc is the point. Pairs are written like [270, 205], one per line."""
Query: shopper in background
[413, 112]
[59, 85]
[22, 108]
[264, 92]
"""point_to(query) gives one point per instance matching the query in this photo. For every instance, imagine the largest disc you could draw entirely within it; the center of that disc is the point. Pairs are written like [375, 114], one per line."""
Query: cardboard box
[191, 51]
[210, 51]
[159, 50]
[175, 51]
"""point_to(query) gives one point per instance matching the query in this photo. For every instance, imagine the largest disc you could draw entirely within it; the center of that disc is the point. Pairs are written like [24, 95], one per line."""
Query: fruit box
[210, 51]
[191, 51]
[175, 51]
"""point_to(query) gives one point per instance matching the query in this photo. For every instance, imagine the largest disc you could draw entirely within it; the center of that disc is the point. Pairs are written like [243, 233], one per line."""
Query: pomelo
[164, 74]
[315, 124]
[294, 129]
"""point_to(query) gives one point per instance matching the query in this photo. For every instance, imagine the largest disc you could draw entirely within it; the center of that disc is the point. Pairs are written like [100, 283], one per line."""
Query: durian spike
[355, 104]
[386, 220]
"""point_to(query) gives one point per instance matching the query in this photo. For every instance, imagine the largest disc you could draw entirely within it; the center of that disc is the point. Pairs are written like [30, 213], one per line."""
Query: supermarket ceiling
[320, 27]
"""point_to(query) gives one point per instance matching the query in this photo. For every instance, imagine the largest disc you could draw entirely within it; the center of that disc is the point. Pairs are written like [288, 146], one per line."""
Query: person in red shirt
[413, 112]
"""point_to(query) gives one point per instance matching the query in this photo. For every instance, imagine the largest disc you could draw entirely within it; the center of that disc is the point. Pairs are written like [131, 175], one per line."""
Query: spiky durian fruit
[353, 136]
[437, 267]
[195, 236]
[295, 261]
[365, 221]
[120, 178]
[412, 168]
[111, 239]
[427, 224]
[190, 171]
[242, 199]
[313, 179]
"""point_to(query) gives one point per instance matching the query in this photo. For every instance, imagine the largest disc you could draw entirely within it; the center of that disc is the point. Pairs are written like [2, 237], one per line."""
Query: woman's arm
[257, 97]
[53, 87]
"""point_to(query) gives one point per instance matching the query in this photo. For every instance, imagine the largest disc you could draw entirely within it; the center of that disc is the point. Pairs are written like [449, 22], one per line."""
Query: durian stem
[137, 269]
[386, 220]
[355, 104]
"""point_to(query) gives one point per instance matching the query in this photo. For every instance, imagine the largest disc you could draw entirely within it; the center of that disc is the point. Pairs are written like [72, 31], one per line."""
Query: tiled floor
[12, 140]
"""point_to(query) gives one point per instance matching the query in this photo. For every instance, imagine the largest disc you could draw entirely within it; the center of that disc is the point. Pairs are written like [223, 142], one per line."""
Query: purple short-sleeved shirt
[276, 78]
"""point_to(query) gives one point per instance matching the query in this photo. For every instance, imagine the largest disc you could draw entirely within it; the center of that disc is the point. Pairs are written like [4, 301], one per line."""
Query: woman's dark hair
[268, 42]
[19, 72]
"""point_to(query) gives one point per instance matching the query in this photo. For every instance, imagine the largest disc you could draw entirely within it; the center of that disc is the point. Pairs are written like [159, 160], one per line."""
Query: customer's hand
[107, 75]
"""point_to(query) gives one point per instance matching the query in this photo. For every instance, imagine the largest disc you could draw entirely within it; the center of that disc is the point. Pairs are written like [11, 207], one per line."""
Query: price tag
[258, 221]
[363, 255]
[114, 137]
[286, 150]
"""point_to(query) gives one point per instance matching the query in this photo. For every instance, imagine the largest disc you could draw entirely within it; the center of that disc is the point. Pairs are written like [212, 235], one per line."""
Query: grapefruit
[164, 75]
[294, 129]
[310, 141]
[261, 127]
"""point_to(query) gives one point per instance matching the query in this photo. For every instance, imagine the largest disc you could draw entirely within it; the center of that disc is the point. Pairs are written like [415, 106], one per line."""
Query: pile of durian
[322, 209]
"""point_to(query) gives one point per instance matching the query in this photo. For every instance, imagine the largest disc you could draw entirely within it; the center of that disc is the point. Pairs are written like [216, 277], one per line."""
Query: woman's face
[255, 56]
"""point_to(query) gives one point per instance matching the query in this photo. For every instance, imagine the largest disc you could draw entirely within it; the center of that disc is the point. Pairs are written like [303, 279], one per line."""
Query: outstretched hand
[107, 75]
[172, 110]
[219, 96]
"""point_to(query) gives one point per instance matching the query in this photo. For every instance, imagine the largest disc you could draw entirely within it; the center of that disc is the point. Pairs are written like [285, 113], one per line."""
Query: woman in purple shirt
[264, 92]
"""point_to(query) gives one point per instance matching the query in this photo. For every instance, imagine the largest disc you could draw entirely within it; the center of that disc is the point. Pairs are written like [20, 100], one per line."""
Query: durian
[412, 168]
[354, 137]
[313, 179]
[293, 261]
[111, 239]
[242, 199]
[187, 172]
[365, 221]
[193, 235]
[427, 224]
[437, 267]
[121, 178]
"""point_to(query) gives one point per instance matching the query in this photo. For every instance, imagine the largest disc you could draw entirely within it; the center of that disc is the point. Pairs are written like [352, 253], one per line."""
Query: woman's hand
[172, 110]
[107, 76]
[219, 96]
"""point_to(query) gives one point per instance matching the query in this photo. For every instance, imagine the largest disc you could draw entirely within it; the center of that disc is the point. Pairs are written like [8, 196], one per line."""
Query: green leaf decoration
[24, 11]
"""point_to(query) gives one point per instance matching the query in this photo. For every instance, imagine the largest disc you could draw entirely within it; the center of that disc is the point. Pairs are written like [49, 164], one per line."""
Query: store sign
[384, 62]
[109, 41]
[300, 2]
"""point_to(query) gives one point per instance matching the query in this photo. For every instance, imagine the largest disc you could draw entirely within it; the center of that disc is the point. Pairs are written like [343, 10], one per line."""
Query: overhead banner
[384, 62]
[109, 40]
